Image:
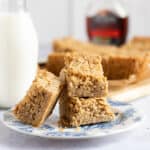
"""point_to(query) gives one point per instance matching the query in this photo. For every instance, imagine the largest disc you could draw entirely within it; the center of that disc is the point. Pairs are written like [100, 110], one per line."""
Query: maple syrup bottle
[107, 22]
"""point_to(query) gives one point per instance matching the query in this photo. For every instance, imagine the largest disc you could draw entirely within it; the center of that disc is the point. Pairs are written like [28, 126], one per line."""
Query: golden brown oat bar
[114, 67]
[67, 44]
[73, 45]
[55, 62]
[76, 111]
[118, 63]
[120, 67]
[140, 39]
[40, 99]
[84, 76]
[139, 43]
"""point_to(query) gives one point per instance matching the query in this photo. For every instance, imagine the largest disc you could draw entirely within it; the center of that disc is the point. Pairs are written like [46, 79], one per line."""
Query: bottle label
[105, 36]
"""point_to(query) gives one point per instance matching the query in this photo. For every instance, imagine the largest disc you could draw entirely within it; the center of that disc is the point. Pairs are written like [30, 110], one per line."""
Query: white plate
[127, 118]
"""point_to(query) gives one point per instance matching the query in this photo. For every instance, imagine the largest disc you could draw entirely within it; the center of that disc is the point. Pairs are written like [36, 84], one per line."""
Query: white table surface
[137, 139]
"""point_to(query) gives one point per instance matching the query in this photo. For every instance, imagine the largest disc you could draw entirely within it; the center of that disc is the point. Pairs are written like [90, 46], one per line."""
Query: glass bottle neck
[12, 5]
[115, 6]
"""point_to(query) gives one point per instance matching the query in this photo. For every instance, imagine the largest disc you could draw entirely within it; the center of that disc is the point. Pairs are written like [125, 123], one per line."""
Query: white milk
[18, 56]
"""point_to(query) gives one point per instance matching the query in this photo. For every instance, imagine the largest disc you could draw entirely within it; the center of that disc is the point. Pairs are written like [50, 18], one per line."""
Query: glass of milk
[18, 51]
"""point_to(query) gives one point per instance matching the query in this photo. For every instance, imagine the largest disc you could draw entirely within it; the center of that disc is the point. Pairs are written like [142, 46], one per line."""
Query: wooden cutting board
[130, 92]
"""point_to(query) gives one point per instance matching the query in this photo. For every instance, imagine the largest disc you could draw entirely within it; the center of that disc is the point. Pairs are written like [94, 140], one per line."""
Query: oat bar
[40, 99]
[76, 111]
[84, 76]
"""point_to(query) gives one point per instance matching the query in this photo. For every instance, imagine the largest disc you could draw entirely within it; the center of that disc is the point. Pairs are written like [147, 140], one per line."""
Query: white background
[50, 18]
[57, 18]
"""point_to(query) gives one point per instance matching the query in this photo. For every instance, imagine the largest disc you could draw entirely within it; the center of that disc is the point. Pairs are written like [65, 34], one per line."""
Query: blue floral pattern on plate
[127, 117]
